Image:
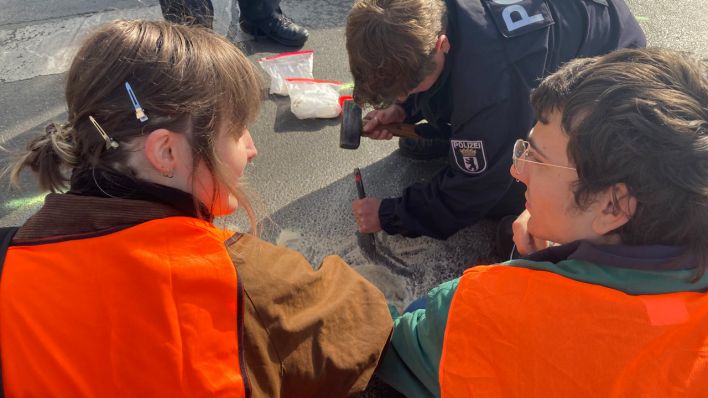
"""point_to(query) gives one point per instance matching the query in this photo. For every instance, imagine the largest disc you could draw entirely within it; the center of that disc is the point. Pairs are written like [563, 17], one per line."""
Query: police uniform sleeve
[412, 361]
[412, 116]
[475, 179]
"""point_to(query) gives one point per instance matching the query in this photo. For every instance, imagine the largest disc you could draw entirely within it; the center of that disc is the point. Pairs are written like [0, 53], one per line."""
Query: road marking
[47, 48]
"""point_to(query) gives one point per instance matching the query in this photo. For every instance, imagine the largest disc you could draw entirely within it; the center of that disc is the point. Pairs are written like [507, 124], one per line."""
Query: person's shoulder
[444, 289]
[492, 271]
[247, 246]
[471, 25]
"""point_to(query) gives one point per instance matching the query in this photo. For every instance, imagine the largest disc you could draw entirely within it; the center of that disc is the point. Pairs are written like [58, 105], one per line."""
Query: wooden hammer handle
[404, 130]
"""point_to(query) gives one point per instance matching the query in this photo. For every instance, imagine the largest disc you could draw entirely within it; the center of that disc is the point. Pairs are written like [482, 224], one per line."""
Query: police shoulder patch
[518, 17]
[469, 155]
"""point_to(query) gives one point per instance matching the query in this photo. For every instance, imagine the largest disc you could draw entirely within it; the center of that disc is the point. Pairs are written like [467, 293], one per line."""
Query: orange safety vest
[516, 332]
[147, 311]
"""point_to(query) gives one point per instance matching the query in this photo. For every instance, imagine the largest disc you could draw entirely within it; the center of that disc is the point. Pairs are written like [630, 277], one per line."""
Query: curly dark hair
[639, 117]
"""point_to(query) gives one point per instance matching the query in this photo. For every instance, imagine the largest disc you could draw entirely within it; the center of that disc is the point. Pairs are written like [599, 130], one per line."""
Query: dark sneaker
[423, 148]
[280, 29]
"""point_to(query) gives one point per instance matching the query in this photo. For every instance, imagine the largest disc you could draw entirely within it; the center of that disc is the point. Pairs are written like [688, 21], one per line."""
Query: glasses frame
[522, 157]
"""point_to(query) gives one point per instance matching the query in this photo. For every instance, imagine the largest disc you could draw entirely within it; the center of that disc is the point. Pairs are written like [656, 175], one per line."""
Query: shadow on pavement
[321, 223]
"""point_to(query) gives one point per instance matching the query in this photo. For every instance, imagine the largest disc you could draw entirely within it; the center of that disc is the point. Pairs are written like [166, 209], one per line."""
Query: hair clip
[110, 142]
[139, 112]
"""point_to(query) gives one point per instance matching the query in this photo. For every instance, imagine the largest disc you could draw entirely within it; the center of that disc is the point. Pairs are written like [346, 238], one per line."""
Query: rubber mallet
[350, 129]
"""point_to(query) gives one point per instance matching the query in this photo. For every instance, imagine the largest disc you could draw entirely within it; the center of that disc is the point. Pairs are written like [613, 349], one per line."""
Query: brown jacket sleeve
[307, 333]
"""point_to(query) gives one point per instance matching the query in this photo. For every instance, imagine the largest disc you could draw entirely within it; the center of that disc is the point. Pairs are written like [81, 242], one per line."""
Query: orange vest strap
[6, 234]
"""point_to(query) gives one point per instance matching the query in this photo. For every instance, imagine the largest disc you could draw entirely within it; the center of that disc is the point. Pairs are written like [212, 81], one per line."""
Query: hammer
[350, 129]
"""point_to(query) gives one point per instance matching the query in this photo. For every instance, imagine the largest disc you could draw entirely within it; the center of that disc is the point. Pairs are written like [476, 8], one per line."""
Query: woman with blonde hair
[123, 286]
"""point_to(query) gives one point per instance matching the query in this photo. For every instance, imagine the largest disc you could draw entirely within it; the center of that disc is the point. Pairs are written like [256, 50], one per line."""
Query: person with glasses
[462, 71]
[616, 174]
[522, 242]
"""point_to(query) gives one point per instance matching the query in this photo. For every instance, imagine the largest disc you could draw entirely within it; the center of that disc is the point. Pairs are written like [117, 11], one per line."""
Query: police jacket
[499, 52]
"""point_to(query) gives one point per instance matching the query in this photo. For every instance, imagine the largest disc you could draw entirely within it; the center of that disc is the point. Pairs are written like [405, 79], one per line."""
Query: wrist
[399, 111]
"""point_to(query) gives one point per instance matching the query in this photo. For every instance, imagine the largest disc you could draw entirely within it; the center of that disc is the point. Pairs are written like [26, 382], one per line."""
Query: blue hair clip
[139, 112]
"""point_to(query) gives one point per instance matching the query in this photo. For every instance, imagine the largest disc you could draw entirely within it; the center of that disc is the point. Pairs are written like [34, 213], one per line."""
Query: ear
[160, 151]
[443, 44]
[616, 206]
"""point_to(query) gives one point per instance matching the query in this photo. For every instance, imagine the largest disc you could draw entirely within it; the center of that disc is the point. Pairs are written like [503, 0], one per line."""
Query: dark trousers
[256, 10]
[201, 12]
[188, 12]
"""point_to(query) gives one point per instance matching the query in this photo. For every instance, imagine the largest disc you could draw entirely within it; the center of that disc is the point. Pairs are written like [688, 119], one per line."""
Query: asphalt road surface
[302, 179]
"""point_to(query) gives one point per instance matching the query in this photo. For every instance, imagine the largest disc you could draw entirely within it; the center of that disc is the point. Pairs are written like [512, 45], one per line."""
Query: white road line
[47, 48]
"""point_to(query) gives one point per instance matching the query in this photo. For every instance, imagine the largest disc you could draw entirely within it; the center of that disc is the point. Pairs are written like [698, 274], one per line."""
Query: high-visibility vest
[147, 311]
[516, 332]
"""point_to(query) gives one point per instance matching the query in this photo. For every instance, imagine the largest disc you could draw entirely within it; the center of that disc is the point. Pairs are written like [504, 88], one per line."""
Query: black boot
[188, 12]
[280, 29]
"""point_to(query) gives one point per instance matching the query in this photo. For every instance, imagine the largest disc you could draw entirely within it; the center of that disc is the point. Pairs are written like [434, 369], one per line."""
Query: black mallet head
[350, 129]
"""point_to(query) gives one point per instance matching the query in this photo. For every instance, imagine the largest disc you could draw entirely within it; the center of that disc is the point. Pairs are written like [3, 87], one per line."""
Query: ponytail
[51, 156]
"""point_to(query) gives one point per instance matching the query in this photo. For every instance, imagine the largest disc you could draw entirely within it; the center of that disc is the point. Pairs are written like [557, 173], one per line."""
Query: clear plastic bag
[282, 66]
[311, 98]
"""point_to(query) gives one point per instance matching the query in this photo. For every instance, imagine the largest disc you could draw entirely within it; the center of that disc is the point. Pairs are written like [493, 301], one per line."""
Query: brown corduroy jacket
[307, 333]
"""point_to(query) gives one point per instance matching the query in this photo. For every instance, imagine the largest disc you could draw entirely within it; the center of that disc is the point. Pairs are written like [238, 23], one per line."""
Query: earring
[168, 173]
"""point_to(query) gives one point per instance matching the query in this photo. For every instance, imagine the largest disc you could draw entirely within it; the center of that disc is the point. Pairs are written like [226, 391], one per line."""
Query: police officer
[466, 68]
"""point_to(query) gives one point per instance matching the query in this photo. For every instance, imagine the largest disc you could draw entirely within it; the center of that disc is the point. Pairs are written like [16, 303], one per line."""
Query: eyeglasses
[520, 156]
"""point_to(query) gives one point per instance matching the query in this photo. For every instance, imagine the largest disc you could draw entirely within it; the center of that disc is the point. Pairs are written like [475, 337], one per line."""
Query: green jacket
[412, 362]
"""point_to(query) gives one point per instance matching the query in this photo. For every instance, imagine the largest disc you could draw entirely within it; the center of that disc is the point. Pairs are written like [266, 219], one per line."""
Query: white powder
[428, 262]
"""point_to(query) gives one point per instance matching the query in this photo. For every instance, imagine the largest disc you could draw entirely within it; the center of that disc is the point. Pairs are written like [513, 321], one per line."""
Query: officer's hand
[366, 214]
[374, 119]
[524, 241]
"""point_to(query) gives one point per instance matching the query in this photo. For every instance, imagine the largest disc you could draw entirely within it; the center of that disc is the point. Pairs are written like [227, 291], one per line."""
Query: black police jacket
[500, 50]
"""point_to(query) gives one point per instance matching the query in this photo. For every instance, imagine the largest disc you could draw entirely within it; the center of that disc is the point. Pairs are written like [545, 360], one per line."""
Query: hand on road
[374, 119]
[524, 241]
[366, 214]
